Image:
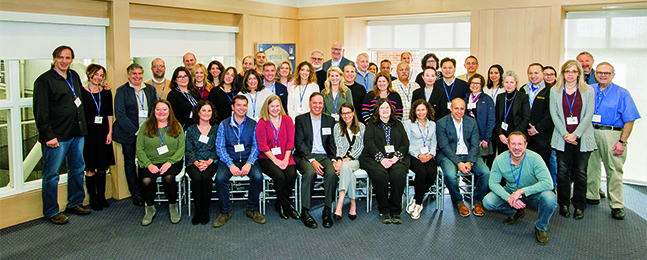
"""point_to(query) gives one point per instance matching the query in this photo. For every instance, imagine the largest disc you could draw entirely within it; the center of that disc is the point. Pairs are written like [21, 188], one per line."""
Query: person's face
[403, 72]
[97, 77]
[406, 57]
[476, 85]
[229, 77]
[510, 84]
[586, 61]
[362, 63]
[458, 109]
[347, 115]
[372, 68]
[304, 73]
[349, 73]
[432, 62]
[260, 58]
[252, 82]
[471, 65]
[517, 146]
[205, 113]
[385, 110]
[158, 69]
[199, 75]
[269, 72]
[385, 67]
[336, 51]
[161, 112]
[215, 72]
[535, 75]
[317, 60]
[604, 74]
[135, 77]
[382, 84]
[549, 76]
[335, 78]
[240, 107]
[316, 105]
[429, 77]
[421, 112]
[248, 64]
[494, 75]
[571, 73]
[448, 69]
[182, 79]
[63, 61]
[275, 108]
[284, 71]
[189, 61]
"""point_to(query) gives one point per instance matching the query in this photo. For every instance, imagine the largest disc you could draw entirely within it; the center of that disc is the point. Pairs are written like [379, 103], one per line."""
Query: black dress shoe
[326, 218]
[511, 221]
[196, 219]
[291, 212]
[592, 202]
[138, 201]
[205, 218]
[337, 217]
[618, 213]
[352, 217]
[579, 214]
[563, 210]
[307, 219]
[280, 210]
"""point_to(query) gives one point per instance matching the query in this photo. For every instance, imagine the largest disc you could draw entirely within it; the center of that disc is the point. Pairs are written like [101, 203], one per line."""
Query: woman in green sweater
[160, 148]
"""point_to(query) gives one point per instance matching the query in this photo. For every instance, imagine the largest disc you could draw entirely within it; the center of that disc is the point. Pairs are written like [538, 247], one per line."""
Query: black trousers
[571, 168]
[396, 175]
[201, 187]
[542, 147]
[168, 181]
[426, 174]
[283, 180]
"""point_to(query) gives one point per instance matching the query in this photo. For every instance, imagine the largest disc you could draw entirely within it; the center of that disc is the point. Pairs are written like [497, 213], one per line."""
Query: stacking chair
[181, 192]
[270, 194]
[437, 190]
[363, 189]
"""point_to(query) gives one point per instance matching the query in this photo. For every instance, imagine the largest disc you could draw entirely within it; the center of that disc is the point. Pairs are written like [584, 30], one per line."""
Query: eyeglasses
[346, 113]
[476, 83]
[603, 73]
[549, 74]
[313, 58]
[385, 68]
[182, 77]
[159, 67]
[336, 49]
[571, 72]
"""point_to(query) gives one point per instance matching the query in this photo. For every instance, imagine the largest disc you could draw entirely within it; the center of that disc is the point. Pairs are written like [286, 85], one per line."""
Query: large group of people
[330, 119]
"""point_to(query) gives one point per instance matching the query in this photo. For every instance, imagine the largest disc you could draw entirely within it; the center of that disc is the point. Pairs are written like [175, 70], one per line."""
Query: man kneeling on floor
[528, 184]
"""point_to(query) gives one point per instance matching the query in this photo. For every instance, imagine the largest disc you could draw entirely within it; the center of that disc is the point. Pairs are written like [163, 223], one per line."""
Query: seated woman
[275, 138]
[381, 89]
[201, 157]
[335, 93]
[421, 131]
[384, 158]
[160, 148]
[480, 106]
[349, 139]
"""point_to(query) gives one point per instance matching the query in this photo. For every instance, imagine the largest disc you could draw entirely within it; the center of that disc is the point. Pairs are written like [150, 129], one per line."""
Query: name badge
[389, 149]
[162, 150]
[335, 116]
[77, 102]
[276, 150]
[301, 110]
[471, 105]
[326, 131]
[449, 105]
[424, 150]
[571, 120]
[203, 139]
[504, 126]
[239, 148]
[98, 120]
[597, 118]
[143, 113]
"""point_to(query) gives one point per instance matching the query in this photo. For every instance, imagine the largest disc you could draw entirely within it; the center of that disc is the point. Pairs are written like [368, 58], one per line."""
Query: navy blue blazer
[282, 92]
[446, 135]
[485, 116]
[303, 137]
[328, 63]
[127, 113]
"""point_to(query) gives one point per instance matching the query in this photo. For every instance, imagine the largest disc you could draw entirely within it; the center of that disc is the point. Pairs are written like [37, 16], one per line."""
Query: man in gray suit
[338, 58]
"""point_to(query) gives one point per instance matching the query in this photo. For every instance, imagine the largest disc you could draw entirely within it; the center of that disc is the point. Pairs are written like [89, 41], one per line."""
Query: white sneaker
[412, 203]
[416, 211]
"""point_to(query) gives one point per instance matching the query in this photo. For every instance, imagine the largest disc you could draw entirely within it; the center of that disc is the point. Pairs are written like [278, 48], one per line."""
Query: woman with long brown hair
[222, 95]
[349, 139]
[183, 96]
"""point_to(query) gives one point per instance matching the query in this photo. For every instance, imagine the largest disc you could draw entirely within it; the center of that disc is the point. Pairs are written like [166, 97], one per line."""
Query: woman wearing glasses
[183, 96]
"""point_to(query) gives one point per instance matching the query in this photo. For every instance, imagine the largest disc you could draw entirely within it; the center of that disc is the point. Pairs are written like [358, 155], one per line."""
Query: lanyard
[201, 90]
[189, 98]
[232, 94]
[163, 88]
[473, 98]
[276, 132]
[424, 137]
[518, 178]
[570, 104]
[507, 109]
[141, 101]
[459, 130]
[302, 94]
[387, 133]
[271, 87]
[242, 128]
[334, 100]
[494, 93]
[406, 93]
[162, 138]
[70, 83]
[601, 96]
[98, 105]
[254, 98]
[450, 91]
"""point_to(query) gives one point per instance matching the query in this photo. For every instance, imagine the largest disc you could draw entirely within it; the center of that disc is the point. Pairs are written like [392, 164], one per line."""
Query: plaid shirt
[406, 94]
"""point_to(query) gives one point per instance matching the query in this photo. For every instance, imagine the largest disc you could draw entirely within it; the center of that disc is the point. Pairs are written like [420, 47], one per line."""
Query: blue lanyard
[201, 90]
[163, 88]
[190, 99]
[406, 93]
[450, 91]
[495, 92]
[232, 94]
[507, 109]
[601, 96]
[95, 101]
[387, 133]
[334, 100]
[518, 178]
[570, 104]
[424, 137]
[459, 130]
[276, 132]
[162, 138]
[141, 101]
[70, 83]
[242, 128]
[302, 94]
[254, 99]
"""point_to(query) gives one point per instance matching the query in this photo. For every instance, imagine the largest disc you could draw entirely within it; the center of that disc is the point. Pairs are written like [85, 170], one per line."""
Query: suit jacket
[520, 110]
[584, 129]
[375, 142]
[484, 115]
[127, 113]
[437, 100]
[342, 62]
[303, 138]
[540, 113]
[321, 78]
[447, 143]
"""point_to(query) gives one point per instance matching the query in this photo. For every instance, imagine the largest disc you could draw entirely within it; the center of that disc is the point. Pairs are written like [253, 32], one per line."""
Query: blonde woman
[200, 80]
[335, 93]
[284, 74]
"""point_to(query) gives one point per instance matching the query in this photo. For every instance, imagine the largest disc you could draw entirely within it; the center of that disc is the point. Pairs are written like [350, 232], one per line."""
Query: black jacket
[303, 138]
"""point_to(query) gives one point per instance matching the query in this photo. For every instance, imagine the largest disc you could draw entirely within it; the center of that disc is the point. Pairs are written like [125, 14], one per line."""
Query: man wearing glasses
[338, 58]
[162, 85]
[385, 66]
[471, 65]
[316, 59]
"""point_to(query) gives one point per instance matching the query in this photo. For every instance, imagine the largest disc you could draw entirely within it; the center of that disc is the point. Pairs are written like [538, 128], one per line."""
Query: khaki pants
[605, 140]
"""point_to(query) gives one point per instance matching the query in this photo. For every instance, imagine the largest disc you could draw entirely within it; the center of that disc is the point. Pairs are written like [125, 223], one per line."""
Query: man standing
[269, 72]
[358, 91]
[615, 114]
[458, 143]
[405, 88]
[338, 59]
[364, 77]
[237, 149]
[162, 85]
[385, 66]
[314, 153]
[248, 63]
[60, 120]
[316, 59]
[408, 58]
[471, 65]
[528, 184]
[586, 61]
[260, 61]
[450, 85]
[189, 60]
[540, 128]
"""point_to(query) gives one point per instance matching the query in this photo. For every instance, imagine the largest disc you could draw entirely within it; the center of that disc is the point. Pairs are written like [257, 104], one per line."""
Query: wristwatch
[624, 143]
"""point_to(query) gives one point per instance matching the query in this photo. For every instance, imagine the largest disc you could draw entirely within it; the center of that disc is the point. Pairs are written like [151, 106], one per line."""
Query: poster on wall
[279, 52]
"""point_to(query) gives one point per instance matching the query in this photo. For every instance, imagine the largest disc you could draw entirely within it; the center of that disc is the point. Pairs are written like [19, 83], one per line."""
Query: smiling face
[161, 112]
[97, 78]
[549, 76]
[586, 61]
[317, 60]
[535, 75]
[362, 63]
[406, 57]
[448, 70]
[269, 72]
[316, 105]
[471, 65]
[199, 75]
[571, 74]
[385, 111]
[63, 61]
[304, 73]
[334, 78]
[240, 107]
[382, 83]
[205, 113]
[260, 58]
[604, 74]
[510, 84]
[494, 75]
[517, 145]
[431, 62]
[429, 76]
[215, 71]
[458, 109]
[284, 71]
[372, 68]
[476, 85]
[189, 61]
[229, 76]
[421, 112]
[274, 108]
[135, 77]
[385, 67]
[336, 51]
[403, 72]
[347, 115]
[158, 68]
[182, 79]
[252, 82]
[349, 73]
[248, 63]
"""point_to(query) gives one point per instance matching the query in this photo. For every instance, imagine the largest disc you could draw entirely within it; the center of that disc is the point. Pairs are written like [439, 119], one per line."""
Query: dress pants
[571, 168]
[605, 140]
[389, 199]
[308, 177]
[201, 186]
[426, 174]
[283, 180]
[347, 178]
[130, 169]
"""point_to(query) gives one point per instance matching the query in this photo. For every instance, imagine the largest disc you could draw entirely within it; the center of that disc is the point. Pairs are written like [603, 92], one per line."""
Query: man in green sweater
[528, 184]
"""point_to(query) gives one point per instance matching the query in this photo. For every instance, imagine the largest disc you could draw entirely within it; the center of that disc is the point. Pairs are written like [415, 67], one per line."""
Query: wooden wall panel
[355, 41]
[62, 7]
[178, 15]
[316, 34]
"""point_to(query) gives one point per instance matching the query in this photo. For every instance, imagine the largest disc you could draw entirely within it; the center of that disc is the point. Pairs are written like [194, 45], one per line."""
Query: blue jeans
[451, 174]
[545, 203]
[222, 186]
[552, 167]
[72, 150]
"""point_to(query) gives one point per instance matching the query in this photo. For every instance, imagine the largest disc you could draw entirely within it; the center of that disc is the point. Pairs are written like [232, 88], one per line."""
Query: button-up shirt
[365, 79]
[270, 87]
[317, 143]
[615, 106]
[461, 146]
[406, 94]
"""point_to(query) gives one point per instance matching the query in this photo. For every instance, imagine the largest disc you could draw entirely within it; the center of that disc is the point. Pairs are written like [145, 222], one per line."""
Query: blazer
[484, 115]
[303, 138]
[321, 78]
[375, 142]
[584, 129]
[281, 91]
[438, 101]
[343, 145]
[520, 110]
[540, 113]
[447, 143]
[342, 62]
[127, 113]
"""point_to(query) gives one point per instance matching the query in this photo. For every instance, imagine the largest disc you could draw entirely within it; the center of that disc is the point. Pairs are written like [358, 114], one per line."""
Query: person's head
[535, 73]
[251, 82]
[384, 111]
[403, 72]
[248, 63]
[362, 62]
[96, 74]
[586, 61]
[229, 77]
[162, 113]
[316, 58]
[349, 72]
[215, 68]
[372, 67]
[517, 144]
[471, 64]
[158, 67]
[204, 110]
[448, 67]
[385, 66]
[334, 77]
[431, 60]
[181, 78]
[284, 70]
[550, 75]
[63, 56]
[382, 83]
[604, 73]
[510, 80]
[304, 74]
[199, 73]
[260, 58]
[475, 82]
[348, 118]
[571, 73]
[272, 108]
[162, 110]
[239, 105]
[135, 74]
[429, 76]
[189, 60]
[337, 50]
[406, 57]
[494, 76]
[458, 108]
[269, 71]
[316, 103]
[421, 109]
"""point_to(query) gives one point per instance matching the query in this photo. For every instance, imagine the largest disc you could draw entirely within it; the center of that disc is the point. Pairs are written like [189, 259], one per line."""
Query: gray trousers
[308, 177]
[347, 181]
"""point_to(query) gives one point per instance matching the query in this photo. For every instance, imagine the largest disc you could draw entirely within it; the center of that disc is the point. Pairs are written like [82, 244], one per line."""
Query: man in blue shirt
[364, 77]
[615, 114]
[237, 148]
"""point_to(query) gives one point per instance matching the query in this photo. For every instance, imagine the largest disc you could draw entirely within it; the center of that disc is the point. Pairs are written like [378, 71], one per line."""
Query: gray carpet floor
[116, 233]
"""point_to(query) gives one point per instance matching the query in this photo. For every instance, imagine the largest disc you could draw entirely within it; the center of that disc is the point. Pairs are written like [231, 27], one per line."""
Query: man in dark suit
[133, 104]
[540, 128]
[314, 153]
[316, 59]
[450, 86]
[269, 72]
[458, 140]
[338, 58]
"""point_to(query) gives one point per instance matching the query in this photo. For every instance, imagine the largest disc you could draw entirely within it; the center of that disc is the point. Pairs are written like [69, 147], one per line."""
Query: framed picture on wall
[279, 52]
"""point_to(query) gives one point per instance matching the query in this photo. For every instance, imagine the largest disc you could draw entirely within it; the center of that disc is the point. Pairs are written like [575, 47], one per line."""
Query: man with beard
[162, 85]
[316, 59]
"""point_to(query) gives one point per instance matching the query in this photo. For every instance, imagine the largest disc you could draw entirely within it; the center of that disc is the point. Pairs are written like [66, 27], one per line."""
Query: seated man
[531, 186]
[314, 152]
[237, 148]
[458, 140]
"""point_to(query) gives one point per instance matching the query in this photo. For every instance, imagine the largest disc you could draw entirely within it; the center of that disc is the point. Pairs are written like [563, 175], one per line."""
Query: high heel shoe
[337, 217]
[352, 217]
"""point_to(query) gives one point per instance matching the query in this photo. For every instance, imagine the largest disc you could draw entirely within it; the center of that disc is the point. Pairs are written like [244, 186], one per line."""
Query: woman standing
[381, 89]
[384, 158]
[201, 158]
[97, 152]
[160, 148]
[436, 99]
[481, 107]
[335, 93]
[429, 60]
[275, 137]
[372, 67]
[421, 131]
[572, 104]
[255, 93]
[305, 84]
[221, 96]
[550, 75]
[183, 96]
[214, 68]
[200, 81]
[284, 74]
[495, 82]
[512, 111]
[349, 139]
